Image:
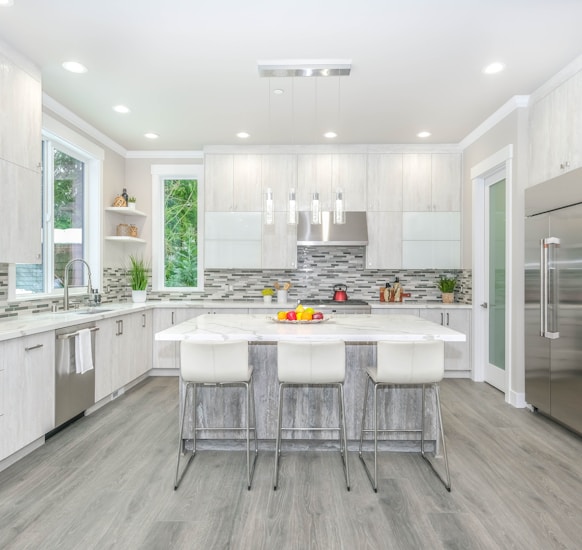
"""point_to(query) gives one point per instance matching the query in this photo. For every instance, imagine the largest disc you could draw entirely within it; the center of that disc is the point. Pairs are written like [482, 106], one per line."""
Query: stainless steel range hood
[352, 233]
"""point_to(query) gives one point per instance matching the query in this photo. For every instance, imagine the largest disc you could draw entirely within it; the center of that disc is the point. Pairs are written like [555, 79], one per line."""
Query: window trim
[161, 172]
[93, 156]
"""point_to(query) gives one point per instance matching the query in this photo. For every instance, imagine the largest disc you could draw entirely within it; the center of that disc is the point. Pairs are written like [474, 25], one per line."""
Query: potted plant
[447, 287]
[131, 202]
[138, 279]
[267, 295]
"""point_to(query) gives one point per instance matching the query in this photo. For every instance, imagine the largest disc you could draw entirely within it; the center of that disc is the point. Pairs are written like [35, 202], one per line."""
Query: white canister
[281, 296]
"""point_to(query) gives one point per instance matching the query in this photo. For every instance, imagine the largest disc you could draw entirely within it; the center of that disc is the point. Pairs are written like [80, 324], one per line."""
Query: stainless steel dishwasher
[74, 393]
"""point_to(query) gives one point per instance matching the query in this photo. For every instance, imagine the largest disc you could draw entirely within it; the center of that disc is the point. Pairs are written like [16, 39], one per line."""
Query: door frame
[479, 173]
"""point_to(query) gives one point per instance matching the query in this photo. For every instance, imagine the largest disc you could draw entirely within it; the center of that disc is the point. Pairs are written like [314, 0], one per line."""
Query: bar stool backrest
[410, 362]
[214, 361]
[316, 362]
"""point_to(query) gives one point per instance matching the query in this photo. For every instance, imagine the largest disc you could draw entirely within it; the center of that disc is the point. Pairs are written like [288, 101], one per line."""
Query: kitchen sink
[90, 311]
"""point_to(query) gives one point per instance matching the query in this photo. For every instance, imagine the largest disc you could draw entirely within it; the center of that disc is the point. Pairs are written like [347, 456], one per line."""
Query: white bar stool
[218, 364]
[405, 363]
[312, 364]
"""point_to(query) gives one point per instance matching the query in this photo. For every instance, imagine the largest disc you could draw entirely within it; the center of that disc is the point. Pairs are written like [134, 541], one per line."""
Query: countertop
[28, 324]
[350, 328]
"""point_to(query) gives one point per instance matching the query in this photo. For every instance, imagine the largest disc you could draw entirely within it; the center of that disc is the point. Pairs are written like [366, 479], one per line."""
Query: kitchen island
[360, 332]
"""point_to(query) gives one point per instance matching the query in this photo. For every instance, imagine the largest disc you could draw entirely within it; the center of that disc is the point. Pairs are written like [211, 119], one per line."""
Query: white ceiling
[188, 69]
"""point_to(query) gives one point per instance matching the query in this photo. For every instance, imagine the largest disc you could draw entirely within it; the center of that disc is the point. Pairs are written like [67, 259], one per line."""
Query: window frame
[160, 173]
[70, 142]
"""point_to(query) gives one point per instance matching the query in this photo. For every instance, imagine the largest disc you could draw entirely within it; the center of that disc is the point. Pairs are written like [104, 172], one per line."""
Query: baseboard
[164, 372]
[457, 374]
[21, 453]
[517, 399]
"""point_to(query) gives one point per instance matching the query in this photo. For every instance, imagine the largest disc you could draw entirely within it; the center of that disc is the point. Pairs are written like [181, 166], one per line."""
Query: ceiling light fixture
[493, 68]
[330, 135]
[243, 135]
[122, 109]
[151, 135]
[423, 134]
[74, 67]
[278, 91]
[6, 3]
[304, 67]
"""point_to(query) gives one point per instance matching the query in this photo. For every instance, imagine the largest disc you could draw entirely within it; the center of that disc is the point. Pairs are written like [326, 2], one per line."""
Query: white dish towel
[83, 352]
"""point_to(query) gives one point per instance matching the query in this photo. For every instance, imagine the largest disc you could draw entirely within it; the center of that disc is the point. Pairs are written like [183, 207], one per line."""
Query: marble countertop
[28, 324]
[350, 328]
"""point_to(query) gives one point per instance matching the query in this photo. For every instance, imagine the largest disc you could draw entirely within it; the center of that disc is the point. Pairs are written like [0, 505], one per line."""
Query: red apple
[291, 316]
[317, 315]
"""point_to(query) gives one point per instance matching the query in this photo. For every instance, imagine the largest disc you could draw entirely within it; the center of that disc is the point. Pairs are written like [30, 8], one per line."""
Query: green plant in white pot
[447, 287]
[138, 279]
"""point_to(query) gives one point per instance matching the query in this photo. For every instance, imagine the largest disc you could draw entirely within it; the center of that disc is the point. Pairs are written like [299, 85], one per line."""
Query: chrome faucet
[66, 285]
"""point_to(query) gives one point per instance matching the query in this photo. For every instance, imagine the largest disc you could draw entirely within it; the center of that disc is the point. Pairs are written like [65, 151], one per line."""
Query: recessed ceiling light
[423, 134]
[278, 91]
[121, 109]
[243, 135]
[151, 135]
[493, 68]
[330, 135]
[74, 67]
[6, 3]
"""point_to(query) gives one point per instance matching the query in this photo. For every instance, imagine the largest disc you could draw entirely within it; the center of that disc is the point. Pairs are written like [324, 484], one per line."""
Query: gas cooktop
[340, 302]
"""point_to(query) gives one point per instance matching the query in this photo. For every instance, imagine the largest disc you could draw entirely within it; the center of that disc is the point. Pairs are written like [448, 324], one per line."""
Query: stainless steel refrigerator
[553, 299]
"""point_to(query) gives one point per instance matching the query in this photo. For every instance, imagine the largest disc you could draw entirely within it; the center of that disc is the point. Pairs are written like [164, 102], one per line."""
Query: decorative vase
[131, 205]
[448, 297]
[281, 296]
[267, 299]
[138, 296]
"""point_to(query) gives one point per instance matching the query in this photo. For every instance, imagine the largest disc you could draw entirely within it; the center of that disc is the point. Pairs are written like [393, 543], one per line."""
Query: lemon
[299, 315]
[282, 315]
[309, 310]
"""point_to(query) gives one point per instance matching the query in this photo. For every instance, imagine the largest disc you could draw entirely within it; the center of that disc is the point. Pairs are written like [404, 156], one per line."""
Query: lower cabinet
[123, 351]
[27, 397]
[457, 354]
[165, 354]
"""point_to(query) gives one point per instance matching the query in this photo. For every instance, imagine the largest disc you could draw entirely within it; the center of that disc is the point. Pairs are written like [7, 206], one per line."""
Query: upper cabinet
[388, 185]
[20, 163]
[431, 182]
[384, 189]
[556, 131]
[233, 183]
[20, 128]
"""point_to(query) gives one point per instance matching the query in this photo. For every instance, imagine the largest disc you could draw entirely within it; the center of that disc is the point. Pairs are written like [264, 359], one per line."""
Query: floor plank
[106, 482]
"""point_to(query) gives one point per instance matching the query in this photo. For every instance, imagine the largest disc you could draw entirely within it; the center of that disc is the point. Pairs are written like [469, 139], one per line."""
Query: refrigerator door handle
[548, 283]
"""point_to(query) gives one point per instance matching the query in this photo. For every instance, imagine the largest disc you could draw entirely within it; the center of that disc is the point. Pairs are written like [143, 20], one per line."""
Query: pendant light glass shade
[269, 207]
[292, 208]
[339, 212]
[315, 209]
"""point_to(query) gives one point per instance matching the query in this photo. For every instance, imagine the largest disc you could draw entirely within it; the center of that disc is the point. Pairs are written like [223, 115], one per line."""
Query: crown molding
[559, 78]
[516, 102]
[79, 123]
[164, 155]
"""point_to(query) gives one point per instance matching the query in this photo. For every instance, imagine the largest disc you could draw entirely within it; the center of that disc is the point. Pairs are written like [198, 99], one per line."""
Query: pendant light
[269, 211]
[292, 208]
[315, 209]
[339, 213]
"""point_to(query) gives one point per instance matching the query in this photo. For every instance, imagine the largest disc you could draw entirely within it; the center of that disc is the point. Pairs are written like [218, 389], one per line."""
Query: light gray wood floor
[107, 482]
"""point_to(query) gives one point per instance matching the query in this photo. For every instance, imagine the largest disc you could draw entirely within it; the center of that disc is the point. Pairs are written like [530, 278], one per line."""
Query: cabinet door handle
[447, 318]
[38, 346]
[119, 327]
[442, 319]
[173, 319]
[143, 320]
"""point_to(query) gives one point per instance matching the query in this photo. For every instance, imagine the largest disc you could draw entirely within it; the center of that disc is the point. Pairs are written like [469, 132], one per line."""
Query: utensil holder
[282, 296]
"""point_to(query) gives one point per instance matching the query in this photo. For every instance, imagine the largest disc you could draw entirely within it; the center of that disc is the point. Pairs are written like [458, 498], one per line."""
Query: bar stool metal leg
[250, 396]
[343, 435]
[278, 439]
[190, 389]
[446, 479]
[373, 478]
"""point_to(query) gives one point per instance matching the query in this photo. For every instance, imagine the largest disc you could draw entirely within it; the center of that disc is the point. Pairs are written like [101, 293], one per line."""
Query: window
[176, 240]
[70, 187]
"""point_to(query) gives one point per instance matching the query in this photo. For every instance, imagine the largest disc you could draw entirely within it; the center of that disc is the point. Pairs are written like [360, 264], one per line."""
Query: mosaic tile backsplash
[318, 270]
